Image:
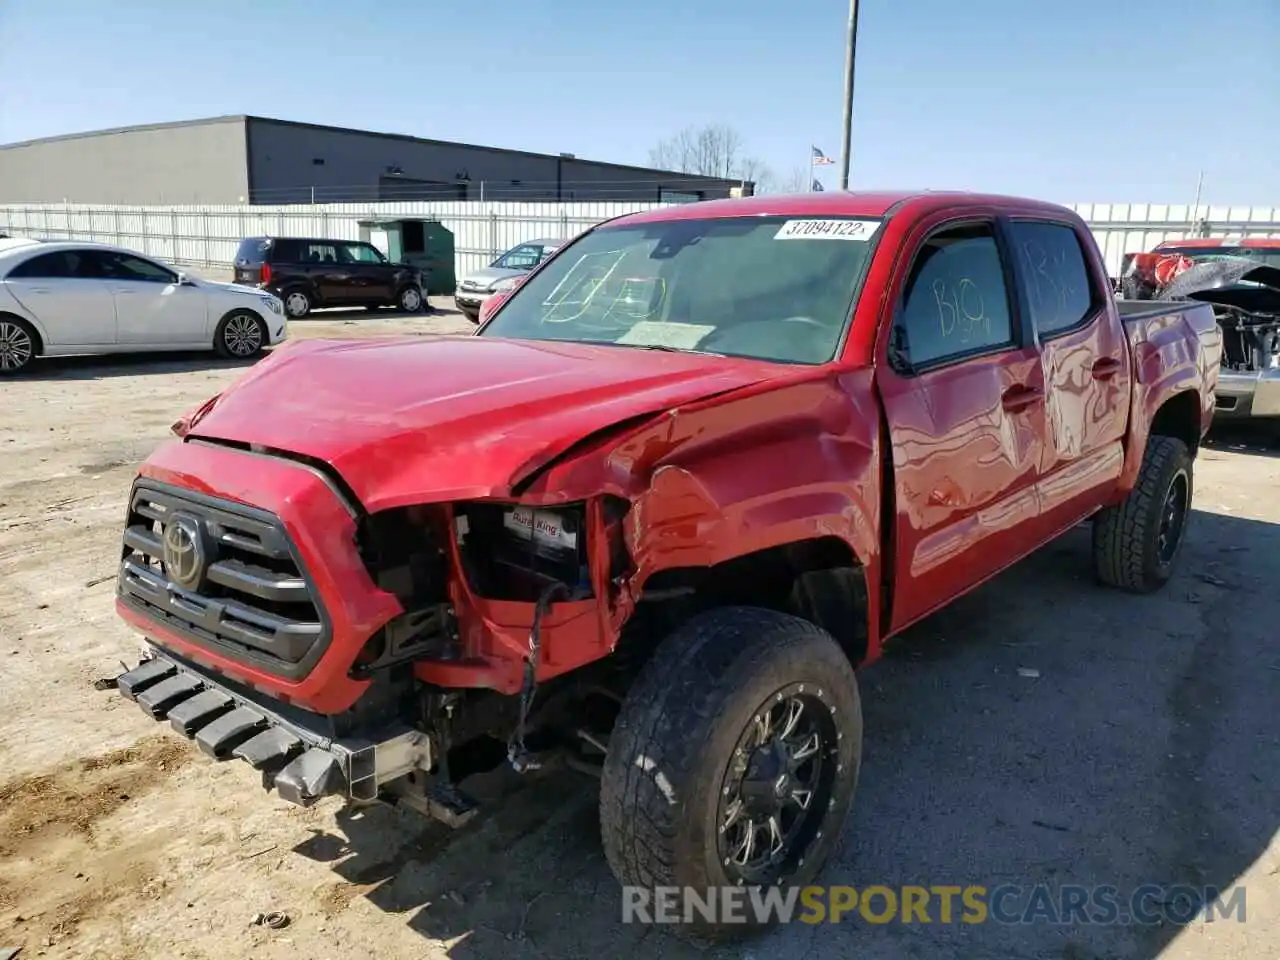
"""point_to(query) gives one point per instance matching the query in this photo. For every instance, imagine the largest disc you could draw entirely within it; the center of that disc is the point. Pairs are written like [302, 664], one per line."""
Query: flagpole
[850, 51]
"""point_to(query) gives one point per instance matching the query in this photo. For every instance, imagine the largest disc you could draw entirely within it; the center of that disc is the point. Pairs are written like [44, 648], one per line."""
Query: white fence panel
[209, 235]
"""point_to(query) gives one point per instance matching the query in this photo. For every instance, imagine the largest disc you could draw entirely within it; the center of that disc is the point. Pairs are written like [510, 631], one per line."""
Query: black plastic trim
[255, 638]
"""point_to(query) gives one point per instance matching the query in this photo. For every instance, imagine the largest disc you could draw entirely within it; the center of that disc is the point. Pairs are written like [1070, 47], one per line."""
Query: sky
[1073, 102]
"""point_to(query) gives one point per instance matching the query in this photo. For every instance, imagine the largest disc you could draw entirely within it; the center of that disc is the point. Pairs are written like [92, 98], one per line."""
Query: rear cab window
[1054, 275]
[766, 287]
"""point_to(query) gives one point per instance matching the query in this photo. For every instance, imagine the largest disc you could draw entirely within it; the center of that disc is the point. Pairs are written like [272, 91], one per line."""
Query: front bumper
[1247, 395]
[471, 300]
[298, 758]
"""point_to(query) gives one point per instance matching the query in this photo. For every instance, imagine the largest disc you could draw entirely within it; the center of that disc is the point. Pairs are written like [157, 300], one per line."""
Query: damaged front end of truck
[362, 611]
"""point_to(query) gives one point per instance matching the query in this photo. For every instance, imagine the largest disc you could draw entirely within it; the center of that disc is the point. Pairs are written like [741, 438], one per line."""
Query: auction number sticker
[827, 230]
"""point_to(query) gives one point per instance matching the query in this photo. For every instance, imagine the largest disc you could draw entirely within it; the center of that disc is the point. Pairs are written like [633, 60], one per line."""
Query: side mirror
[185, 281]
[899, 350]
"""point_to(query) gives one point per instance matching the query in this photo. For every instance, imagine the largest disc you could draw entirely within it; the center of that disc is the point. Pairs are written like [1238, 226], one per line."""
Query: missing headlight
[513, 552]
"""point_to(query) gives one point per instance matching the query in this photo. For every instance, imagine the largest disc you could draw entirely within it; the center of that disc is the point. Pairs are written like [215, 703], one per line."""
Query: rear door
[963, 392]
[250, 257]
[152, 307]
[65, 294]
[1085, 359]
[331, 273]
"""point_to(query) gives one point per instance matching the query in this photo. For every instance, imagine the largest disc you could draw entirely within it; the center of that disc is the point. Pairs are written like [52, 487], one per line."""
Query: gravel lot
[1145, 751]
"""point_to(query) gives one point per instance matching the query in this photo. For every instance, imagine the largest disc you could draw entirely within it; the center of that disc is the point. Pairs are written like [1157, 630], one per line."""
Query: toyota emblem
[184, 551]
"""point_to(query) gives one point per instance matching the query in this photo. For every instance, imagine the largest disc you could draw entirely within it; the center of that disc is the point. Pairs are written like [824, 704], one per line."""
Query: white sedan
[59, 298]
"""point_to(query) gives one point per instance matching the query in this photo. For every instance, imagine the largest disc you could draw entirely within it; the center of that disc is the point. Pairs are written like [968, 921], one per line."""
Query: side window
[44, 267]
[1054, 274]
[123, 266]
[282, 251]
[956, 301]
[320, 253]
[359, 253]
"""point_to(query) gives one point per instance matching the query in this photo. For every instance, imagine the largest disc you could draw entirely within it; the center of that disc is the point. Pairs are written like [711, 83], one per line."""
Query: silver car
[475, 288]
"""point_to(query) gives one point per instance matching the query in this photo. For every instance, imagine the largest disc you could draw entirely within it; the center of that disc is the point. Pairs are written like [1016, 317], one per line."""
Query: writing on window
[956, 300]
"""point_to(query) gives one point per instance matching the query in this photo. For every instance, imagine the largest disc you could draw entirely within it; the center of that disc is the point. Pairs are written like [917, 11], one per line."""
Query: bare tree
[715, 150]
[797, 181]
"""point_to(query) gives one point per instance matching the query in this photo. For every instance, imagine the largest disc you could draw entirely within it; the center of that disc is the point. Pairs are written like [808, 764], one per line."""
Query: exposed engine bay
[1244, 293]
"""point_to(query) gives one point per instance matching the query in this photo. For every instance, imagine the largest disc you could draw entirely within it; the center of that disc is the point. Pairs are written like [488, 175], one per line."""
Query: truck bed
[1131, 310]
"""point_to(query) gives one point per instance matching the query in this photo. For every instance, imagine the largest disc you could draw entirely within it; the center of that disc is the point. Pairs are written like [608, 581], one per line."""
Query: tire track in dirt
[54, 872]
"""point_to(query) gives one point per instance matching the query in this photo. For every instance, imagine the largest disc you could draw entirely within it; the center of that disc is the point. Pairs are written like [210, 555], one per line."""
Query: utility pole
[848, 94]
[1195, 206]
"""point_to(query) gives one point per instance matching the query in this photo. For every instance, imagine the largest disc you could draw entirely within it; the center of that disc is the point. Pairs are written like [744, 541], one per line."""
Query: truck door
[1086, 366]
[963, 391]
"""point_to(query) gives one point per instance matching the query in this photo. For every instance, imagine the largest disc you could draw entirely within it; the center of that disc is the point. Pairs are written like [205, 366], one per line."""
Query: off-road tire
[1126, 551]
[677, 733]
[228, 338]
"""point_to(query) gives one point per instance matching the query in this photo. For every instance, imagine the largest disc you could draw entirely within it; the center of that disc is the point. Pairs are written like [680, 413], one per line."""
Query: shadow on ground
[1255, 436]
[1141, 750]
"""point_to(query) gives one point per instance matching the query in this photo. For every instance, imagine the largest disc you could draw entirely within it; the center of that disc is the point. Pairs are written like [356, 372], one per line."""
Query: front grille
[221, 574]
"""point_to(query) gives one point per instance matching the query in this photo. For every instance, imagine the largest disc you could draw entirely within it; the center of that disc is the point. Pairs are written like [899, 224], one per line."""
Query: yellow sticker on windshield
[827, 230]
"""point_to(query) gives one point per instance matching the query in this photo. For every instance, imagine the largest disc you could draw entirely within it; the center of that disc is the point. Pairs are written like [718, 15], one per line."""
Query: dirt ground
[1145, 750]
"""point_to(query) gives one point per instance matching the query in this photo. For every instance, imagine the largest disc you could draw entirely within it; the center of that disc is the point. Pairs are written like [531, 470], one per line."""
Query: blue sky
[1076, 101]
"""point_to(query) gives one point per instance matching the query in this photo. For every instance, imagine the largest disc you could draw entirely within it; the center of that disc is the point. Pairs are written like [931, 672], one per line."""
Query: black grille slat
[143, 540]
[253, 600]
[259, 581]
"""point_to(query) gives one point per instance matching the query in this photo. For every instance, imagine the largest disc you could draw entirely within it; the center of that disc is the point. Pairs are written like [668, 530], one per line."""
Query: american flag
[820, 159]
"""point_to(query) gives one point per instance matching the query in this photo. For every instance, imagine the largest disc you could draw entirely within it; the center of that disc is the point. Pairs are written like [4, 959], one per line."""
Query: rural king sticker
[540, 525]
[827, 230]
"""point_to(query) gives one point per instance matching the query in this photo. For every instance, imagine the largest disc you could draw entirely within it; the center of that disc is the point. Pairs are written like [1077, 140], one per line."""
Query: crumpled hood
[420, 420]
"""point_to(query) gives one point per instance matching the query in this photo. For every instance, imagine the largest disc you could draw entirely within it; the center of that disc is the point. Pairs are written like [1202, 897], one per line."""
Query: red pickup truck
[649, 519]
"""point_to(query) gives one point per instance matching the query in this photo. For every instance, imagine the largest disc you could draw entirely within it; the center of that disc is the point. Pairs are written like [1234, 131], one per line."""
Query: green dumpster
[419, 241]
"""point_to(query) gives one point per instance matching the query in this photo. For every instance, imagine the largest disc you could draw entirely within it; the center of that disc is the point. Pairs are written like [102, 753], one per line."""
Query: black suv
[307, 273]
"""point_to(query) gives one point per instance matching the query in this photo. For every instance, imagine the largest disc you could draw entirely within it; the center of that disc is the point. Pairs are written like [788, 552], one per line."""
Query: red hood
[418, 420]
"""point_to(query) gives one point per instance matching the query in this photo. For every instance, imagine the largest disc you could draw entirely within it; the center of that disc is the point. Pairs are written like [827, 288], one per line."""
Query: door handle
[1106, 368]
[1019, 398]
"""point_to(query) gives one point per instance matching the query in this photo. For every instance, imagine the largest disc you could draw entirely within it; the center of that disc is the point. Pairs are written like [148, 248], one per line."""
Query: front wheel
[1136, 544]
[734, 760]
[240, 336]
[410, 300]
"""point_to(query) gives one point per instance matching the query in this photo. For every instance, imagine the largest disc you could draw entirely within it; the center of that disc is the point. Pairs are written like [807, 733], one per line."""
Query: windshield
[523, 257]
[771, 288]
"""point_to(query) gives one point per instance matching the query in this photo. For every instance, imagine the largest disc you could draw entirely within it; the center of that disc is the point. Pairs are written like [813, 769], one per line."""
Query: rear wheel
[410, 300]
[735, 758]
[1136, 544]
[240, 336]
[297, 303]
[17, 345]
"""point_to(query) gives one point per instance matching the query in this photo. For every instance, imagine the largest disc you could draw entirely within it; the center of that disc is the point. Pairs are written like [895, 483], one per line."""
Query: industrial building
[245, 159]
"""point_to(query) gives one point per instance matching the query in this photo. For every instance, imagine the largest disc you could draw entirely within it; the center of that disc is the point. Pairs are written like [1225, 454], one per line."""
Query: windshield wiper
[666, 349]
